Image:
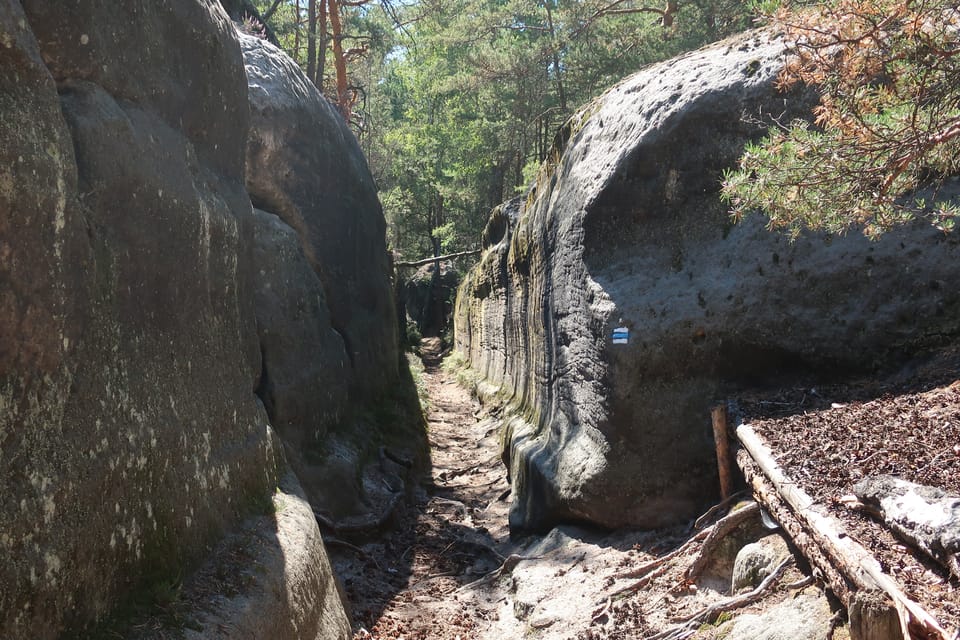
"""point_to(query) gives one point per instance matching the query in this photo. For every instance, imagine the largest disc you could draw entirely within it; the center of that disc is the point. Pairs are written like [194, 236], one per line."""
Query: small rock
[755, 561]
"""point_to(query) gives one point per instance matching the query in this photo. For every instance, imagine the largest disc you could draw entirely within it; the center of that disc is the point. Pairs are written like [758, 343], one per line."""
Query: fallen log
[926, 517]
[856, 564]
[449, 256]
[764, 492]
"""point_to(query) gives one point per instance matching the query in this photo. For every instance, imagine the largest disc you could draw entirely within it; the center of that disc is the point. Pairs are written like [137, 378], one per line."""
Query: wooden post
[722, 441]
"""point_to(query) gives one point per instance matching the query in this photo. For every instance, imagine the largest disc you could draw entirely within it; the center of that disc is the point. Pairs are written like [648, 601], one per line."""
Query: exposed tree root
[710, 613]
[720, 530]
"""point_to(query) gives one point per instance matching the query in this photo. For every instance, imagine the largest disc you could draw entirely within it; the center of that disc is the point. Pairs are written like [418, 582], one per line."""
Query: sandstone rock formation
[134, 310]
[427, 297]
[625, 231]
[331, 202]
[325, 309]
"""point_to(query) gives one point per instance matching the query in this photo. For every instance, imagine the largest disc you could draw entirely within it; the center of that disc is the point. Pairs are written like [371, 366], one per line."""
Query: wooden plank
[855, 562]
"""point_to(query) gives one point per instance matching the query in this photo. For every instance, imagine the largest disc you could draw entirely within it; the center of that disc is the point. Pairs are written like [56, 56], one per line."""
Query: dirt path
[410, 584]
[449, 571]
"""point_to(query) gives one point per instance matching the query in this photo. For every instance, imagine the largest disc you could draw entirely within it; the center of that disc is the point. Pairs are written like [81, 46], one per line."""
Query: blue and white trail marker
[621, 335]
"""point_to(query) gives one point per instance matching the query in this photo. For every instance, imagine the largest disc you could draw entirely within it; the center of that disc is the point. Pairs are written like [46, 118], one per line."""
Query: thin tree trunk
[296, 32]
[343, 100]
[322, 46]
[312, 39]
[558, 76]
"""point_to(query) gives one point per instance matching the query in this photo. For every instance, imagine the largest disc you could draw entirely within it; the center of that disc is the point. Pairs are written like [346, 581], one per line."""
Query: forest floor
[906, 424]
[449, 570]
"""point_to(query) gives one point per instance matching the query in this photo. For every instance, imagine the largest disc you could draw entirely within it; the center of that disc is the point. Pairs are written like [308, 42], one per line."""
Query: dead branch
[449, 256]
[717, 508]
[709, 614]
[720, 530]
[644, 569]
[505, 569]
[337, 542]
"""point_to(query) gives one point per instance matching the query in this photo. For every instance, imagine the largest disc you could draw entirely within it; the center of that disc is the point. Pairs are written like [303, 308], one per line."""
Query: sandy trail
[449, 570]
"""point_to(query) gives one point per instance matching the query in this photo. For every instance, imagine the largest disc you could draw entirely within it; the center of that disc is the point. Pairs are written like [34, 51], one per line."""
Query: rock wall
[325, 308]
[143, 305]
[626, 230]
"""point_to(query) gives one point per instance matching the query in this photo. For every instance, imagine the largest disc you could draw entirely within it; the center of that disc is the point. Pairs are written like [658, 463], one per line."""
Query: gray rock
[427, 299]
[305, 166]
[280, 581]
[628, 230]
[305, 370]
[757, 560]
[131, 438]
[805, 617]
[926, 517]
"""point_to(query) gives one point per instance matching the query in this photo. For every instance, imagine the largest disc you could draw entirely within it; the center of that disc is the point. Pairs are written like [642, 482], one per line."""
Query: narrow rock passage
[448, 570]
[411, 583]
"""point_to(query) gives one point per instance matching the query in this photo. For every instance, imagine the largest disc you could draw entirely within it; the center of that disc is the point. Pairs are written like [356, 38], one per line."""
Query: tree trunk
[873, 617]
[557, 73]
[343, 99]
[321, 46]
[296, 31]
[312, 39]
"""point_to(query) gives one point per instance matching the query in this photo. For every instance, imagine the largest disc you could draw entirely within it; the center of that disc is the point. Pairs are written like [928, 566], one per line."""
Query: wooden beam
[855, 562]
[449, 256]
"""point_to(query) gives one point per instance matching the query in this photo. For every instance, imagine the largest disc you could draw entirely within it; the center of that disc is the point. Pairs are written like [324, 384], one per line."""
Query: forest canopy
[887, 127]
[456, 102]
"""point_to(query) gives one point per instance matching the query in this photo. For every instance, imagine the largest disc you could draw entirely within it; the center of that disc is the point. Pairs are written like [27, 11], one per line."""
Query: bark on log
[874, 617]
[764, 492]
[926, 517]
[857, 565]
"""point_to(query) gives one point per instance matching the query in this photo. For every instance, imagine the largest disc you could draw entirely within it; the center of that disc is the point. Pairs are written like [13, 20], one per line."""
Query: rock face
[427, 297]
[625, 231]
[138, 325]
[324, 300]
[331, 202]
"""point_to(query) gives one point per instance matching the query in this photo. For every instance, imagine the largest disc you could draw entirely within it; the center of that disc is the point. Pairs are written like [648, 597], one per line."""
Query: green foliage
[888, 124]
[461, 99]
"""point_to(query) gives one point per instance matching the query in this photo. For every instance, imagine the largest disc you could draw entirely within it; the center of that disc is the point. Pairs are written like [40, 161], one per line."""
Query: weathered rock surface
[324, 300]
[428, 295]
[331, 202]
[138, 290]
[927, 517]
[757, 560]
[627, 230]
[805, 617]
[271, 579]
[305, 369]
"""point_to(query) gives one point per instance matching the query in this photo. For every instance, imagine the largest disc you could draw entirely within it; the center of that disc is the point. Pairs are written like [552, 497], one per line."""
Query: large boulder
[626, 231]
[131, 436]
[330, 200]
[324, 299]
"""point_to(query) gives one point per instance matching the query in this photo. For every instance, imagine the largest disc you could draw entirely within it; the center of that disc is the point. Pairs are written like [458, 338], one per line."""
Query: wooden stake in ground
[722, 441]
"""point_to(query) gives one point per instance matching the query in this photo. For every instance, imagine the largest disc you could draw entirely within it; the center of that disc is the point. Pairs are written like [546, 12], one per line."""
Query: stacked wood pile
[877, 605]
